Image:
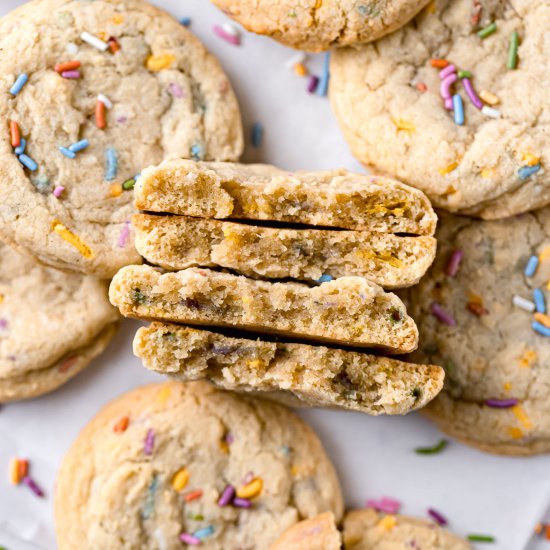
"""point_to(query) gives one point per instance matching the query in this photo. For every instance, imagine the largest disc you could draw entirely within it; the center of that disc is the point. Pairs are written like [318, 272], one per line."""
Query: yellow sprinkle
[14, 471]
[247, 300]
[72, 239]
[449, 168]
[404, 125]
[383, 257]
[115, 190]
[515, 433]
[529, 159]
[117, 19]
[521, 415]
[255, 364]
[164, 394]
[548, 285]
[507, 386]
[1, 298]
[180, 479]
[252, 489]
[542, 318]
[487, 173]
[528, 358]
[157, 63]
[294, 471]
[489, 98]
[224, 447]
[103, 36]
[387, 523]
[544, 254]
[300, 69]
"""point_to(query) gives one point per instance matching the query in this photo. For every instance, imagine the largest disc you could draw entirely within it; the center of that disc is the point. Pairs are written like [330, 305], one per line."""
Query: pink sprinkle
[235, 40]
[31, 484]
[70, 74]
[454, 262]
[248, 478]
[471, 93]
[449, 69]
[229, 438]
[121, 119]
[58, 190]
[437, 517]
[175, 90]
[312, 83]
[445, 88]
[124, 234]
[149, 442]
[190, 539]
[385, 504]
[449, 104]
[441, 315]
[3, 324]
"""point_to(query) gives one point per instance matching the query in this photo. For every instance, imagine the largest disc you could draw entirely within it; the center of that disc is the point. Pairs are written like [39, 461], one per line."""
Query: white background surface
[478, 493]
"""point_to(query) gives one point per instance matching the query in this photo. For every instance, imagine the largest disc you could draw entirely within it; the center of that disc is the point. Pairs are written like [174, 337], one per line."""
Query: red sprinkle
[15, 134]
[477, 309]
[22, 468]
[193, 495]
[439, 63]
[68, 66]
[114, 46]
[68, 363]
[421, 87]
[121, 425]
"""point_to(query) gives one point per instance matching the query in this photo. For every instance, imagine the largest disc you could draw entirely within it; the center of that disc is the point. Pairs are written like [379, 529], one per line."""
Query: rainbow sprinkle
[436, 449]
[322, 87]
[124, 234]
[149, 442]
[441, 315]
[531, 266]
[20, 81]
[512, 61]
[227, 496]
[437, 517]
[386, 505]
[525, 172]
[94, 41]
[487, 31]
[257, 134]
[68, 236]
[27, 162]
[111, 164]
[540, 302]
[229, 37]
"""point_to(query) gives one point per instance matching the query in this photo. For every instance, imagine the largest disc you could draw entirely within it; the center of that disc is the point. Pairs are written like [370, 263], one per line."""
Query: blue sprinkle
[149, 506]
[28, 162]
[67, 152]
[531, 266]
[111, 164]
[540, 301]
[458, 108]
[197, 152]
[79, 145]
[257, 134]
[19, 83]
[203, 533]
[325, 278]
[540, 328]
[20, 149]
[527, 171]
[185, 21]
[322, 87]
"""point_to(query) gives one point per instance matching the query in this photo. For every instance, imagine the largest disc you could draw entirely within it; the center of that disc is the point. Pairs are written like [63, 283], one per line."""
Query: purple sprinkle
[241, 502]
[121, 119]
[3, 324]
[227, 495]
[31, 484]
[441, 315]
[149, 442]
[190, 539]
[501, 403]
[437, 517]
[448, 70]
[124, 234]
[471, 93]
[175, 90]
[58, 190]
[454, 261]
[229, 438]
[70, 74]
[312, 84]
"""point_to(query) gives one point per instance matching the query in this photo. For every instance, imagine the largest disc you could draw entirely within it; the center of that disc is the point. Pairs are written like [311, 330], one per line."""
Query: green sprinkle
[513, 51]
[432, 450]
[481, 538]
[464, 74]
[138, 297]
[487, 31]
[129, 184]
[195, 517]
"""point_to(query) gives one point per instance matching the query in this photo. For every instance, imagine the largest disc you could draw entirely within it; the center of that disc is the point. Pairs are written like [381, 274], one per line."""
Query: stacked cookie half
[279, 266]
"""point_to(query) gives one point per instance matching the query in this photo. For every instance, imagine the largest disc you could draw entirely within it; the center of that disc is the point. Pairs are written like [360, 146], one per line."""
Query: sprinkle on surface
[67, 66]
[15, 134]
[252, 489]
[531, 266]
[489, 98]
[204, 532]
[543, 319]
[437, 517]
[74, 240]
[322, 87]
[512, 61]
[405, 125]
[193, 495]
[227, 496]
[27, 162]
[111, 164]
[387, 523]
[386, 505]
[480, 538]
[100, 118]
[220, 31]
[94, 41]
[525, 172]
[256, 135]
[451, 269]
[442, 315]
[157, 63]
[541, 329]
[448, 169]
[523, 303]
[521, 415]
[436, 449]
[439, 63]
[325, 278]
[501, 403]
[490, 112]
[540, 301]
[124, 235]
[149, 442]
[122, 424]
[20, 81]
[58, 191]
[487, 31]
[180, 479]
[189, 539]
[458, 109]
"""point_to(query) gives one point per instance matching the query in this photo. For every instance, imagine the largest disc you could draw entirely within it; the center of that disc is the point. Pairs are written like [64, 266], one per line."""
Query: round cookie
[388, 102]
[497, 365]
[369, 530]
[154, 467]
[52, 324]
[315, 25]
[153, 93]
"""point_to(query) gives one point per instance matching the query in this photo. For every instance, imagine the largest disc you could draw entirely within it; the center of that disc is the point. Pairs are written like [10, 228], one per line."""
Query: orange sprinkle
[193, 495]
[68, 66]
[180, 479]
[115, 190]
[252, 489]
[547, 532]
[300, 69]
[22, 467]
[121, 425]
[114, 46]
[527, 358]
[421, 87]
[521, 415]
[439, 63]
[100, 115]
[117, 19]
[530, 159]
[68, 363]
[538, 528]
[515, 433]
[14, 471]
[74, 240]
[542, 318]
[449, 168]
[507, 386]
[15, 134]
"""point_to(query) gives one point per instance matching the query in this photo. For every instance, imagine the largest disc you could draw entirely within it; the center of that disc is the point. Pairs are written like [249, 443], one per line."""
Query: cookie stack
[210, 223]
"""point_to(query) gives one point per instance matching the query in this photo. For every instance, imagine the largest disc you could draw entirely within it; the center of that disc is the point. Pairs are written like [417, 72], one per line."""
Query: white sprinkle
[522, 303]
[296, 60]
[105, 100]
[94, 41]
[159, 537]
[231, 29]
[72, 48]
[490, 112]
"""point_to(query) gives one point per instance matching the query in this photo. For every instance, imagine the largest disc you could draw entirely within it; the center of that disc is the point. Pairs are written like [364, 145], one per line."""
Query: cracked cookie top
[315, 25]
[172, 463]
[395, 101]
[91, 93]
